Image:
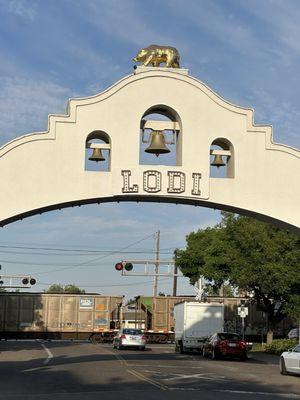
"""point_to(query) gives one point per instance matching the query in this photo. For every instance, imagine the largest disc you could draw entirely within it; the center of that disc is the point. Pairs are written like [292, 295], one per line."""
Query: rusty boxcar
[58, 316]
[159, 317]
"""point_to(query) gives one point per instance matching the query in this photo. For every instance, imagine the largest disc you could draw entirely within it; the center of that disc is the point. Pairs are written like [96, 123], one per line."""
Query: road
[80, 370]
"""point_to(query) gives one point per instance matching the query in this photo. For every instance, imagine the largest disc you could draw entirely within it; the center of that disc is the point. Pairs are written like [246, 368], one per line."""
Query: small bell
[157, 144]
[218, 161]
[97, 155]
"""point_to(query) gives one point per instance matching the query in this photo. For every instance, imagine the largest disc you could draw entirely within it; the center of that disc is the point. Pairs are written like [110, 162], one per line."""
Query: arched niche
[221, 150]
[97, 146]
[166, 120]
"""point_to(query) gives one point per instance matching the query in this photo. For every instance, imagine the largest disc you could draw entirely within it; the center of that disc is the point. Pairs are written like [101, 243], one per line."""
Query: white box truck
[194, 322]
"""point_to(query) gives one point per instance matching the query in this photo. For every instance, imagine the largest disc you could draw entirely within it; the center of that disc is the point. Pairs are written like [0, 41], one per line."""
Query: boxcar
[58, 316]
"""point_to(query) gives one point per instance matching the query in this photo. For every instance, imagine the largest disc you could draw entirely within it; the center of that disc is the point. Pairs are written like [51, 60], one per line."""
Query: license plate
[232, 344]
[134, 338]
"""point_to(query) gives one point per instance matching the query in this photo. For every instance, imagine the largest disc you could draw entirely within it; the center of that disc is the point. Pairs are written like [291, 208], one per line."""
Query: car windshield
[297, 349]
[229, 336]
[132, 332]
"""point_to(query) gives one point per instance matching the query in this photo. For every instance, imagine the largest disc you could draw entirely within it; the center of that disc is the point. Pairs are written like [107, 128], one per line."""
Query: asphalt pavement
[61, 370]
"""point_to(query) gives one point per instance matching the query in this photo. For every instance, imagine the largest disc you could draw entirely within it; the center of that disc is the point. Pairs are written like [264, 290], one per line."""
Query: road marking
[151, 381]
[284, 395]
[50, 355]
[173, 376]
[164, 366]
[135, 373]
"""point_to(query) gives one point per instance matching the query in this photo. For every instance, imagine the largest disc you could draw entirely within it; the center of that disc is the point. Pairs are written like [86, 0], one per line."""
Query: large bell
[97, 155]
[218, 161]
[157, 144]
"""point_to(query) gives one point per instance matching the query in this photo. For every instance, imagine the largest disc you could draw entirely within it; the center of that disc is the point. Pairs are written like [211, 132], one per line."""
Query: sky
[247, 52]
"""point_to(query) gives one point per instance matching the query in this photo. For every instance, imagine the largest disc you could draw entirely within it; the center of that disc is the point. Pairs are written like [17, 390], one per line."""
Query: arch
[51, 164]
[224, 148]
[98, 140]
[161, 117]
[157, 199]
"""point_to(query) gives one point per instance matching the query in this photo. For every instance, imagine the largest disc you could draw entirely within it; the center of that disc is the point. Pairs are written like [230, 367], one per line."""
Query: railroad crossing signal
[12, 281]
[124, 265]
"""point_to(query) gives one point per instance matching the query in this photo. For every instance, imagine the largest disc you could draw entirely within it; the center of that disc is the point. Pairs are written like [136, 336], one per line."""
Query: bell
[157, 144]
[218, 161]
[97, 155]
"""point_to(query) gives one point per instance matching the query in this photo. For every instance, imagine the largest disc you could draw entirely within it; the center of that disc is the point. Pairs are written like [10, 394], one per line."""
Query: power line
[82, 254]
[107, 285]
[76, 250]
[96, 259]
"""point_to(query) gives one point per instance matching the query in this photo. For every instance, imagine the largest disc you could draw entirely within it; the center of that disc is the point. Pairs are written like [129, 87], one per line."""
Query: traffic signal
[119, 266]
[25, 281]
[128, 266]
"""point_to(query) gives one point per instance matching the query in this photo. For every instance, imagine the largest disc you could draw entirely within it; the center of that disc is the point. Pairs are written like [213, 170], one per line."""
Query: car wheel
[214, 355]
[283, 370]
[244, 357]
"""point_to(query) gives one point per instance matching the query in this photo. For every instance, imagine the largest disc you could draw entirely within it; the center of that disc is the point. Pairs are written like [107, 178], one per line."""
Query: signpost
[243, 312]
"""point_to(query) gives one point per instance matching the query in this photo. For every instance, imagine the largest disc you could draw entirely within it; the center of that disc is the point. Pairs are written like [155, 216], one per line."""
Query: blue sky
[248, 52]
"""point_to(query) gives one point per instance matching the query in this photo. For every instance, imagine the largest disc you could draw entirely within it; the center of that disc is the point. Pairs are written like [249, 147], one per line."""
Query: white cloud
[281, 18]
[21, 8]
[123, 20]
[25, 104]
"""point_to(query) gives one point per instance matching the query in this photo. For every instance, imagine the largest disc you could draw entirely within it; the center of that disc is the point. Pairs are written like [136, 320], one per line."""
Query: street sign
[243, 311]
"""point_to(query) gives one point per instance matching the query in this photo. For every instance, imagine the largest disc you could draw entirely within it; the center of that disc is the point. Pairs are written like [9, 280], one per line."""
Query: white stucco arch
[45, 170]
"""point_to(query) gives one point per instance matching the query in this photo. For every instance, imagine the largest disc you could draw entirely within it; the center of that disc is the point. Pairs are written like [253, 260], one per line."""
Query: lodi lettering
[152, 182]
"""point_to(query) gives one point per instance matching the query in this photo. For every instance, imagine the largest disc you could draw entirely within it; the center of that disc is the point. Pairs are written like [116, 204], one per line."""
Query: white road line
[283, 395]
[50, 355]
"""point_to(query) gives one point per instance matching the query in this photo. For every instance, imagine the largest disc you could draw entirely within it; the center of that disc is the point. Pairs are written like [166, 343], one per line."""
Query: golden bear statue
[155, 55]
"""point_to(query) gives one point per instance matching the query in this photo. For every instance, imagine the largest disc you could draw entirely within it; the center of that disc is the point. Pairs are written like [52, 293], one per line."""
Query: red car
[225, 345]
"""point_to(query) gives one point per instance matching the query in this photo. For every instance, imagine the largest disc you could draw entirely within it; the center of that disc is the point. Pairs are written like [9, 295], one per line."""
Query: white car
[293, 333]
[130, 338]
[290, 361]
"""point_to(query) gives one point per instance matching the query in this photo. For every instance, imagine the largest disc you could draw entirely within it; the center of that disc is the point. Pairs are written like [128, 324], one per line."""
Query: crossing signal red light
[128, 267]
[26, 281]
[119, 266]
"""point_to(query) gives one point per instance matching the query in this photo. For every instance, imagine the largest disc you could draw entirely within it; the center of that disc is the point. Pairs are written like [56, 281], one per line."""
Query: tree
[225, 290]
[71, 288]
[250, 255]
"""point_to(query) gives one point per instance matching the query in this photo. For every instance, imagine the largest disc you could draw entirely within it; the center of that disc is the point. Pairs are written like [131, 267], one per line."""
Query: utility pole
[156, 264]
[175, 280]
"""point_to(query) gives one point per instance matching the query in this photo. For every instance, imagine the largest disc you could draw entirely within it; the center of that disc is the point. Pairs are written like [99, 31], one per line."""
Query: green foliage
[72, 289]
[226, 290]
[292, 309]
[278, 346]
[250, 255]
[130, 302]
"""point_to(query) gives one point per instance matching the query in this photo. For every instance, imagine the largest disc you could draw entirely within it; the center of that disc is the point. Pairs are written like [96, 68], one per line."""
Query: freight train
[159, 317]
[59, 316]
[98, 318]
